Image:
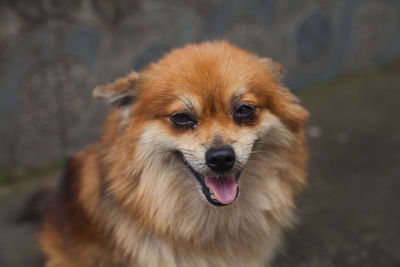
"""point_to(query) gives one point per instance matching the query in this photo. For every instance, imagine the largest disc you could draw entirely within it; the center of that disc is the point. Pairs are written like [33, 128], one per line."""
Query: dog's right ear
[119, 93]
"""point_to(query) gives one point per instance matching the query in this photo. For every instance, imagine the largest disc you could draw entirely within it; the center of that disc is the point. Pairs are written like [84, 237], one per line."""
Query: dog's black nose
[220, 159]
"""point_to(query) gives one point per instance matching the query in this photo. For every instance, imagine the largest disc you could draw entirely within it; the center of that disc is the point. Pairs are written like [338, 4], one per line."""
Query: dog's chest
[148, 250]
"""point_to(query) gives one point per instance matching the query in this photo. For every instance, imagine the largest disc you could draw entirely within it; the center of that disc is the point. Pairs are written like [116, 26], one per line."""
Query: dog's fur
[130, 200]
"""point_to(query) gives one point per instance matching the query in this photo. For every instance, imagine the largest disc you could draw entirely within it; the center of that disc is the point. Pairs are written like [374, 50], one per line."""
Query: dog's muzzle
[221, 187]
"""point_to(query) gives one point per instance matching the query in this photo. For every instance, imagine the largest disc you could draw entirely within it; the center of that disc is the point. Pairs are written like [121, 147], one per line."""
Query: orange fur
[128, 200]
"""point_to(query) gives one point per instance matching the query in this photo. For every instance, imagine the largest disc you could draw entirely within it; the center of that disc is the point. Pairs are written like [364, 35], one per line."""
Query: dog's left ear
[119, 93]
[284, 102]
[274, 68]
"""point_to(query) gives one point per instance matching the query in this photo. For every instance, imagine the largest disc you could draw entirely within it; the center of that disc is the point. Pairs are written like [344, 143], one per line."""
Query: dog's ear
[284, 102]
[287, 106]
[276, 69]
[119, 93]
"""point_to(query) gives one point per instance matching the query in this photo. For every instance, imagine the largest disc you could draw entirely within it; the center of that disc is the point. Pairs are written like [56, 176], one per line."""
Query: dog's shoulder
[68, 231]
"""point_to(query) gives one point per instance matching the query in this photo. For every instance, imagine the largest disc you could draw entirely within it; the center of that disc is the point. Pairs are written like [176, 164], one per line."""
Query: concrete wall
[53, 52]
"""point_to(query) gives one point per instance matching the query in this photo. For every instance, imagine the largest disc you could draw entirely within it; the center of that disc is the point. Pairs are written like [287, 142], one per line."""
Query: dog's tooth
[212, 196]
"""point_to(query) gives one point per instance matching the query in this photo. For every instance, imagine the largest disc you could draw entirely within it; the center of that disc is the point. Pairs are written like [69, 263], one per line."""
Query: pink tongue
[224, 187]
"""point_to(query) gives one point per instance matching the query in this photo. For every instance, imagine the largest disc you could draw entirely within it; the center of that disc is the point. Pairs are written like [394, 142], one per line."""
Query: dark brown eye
[184, 120]
[244, 111]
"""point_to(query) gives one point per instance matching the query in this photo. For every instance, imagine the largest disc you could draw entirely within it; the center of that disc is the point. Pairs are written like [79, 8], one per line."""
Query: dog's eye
[184, 120]
[244, 111]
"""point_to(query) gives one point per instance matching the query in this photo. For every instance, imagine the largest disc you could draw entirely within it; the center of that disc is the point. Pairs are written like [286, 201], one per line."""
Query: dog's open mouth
[219, 190]
[222, 189]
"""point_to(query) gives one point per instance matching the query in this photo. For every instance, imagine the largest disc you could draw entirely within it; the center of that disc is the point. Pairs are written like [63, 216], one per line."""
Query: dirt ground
[349, 215]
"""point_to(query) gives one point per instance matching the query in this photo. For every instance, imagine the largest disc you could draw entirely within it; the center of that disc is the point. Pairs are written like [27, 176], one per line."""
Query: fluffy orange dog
[198, 166]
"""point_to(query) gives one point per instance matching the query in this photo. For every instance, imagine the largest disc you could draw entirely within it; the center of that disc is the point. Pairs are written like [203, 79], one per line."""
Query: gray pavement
[350, 214]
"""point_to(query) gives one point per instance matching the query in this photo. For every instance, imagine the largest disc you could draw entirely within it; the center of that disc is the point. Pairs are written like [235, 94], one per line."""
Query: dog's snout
[220, 159]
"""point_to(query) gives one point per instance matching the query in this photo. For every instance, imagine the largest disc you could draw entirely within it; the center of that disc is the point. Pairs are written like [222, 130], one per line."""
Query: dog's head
[208, 109]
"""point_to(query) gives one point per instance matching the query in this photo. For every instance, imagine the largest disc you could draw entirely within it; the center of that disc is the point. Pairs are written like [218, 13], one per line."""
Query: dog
[199, 164]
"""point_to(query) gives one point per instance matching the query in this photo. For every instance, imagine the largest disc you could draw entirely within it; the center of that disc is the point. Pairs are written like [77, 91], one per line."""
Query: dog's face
[211, 107]
[212, 129]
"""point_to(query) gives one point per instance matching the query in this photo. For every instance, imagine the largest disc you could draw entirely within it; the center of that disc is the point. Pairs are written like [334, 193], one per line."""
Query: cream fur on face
[170, 188]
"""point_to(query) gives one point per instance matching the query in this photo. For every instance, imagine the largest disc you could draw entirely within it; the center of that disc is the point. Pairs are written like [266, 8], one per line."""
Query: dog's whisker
[259, 151]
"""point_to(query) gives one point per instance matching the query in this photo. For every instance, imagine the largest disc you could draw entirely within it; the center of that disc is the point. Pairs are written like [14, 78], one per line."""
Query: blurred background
[342, 60]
